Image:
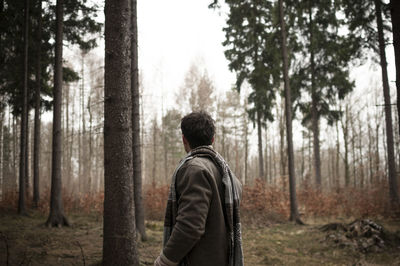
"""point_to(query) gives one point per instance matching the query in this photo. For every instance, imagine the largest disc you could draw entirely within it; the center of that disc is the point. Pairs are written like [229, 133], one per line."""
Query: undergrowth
[261, 202]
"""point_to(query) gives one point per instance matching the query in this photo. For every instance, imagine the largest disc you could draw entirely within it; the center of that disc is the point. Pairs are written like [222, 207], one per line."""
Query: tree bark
[395, 11]
[56, 216]
[393, 188]
[137, 156]
[294, 213]
[24, 118]
[36, 140]
[119, 242]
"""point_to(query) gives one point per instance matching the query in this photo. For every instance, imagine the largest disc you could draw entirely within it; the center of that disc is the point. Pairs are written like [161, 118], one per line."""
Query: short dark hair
[198, 128]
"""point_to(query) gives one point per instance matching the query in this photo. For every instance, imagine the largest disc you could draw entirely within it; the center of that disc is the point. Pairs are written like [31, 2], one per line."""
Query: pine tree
[322, 71]
[251, 47]
[56, 216]
[294, 213]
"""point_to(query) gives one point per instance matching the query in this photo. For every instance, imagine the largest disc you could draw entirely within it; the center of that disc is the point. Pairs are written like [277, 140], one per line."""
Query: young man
[202, 223]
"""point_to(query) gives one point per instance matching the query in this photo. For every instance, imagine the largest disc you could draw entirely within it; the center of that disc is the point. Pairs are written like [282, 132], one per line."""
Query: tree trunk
[119, 242]
[395, 11]
[36, 140]
[266, 167]
[360, 153]
[56, 216]
[370, 161]
[89, 159]
[24, 118]
[353, 151]
[377, 156]
[154, 164]
[2, 179]
[283, 155]
[137, 156]
[260, 149]
[345, 129]
[294, 213]
[314, 109]
[8, 181]
[393, 188]
[27, 186]
[246, 144]
[337, 169]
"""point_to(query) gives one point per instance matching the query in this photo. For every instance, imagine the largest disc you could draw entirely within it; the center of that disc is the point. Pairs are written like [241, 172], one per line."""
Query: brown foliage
[261, 203]
[155, 201]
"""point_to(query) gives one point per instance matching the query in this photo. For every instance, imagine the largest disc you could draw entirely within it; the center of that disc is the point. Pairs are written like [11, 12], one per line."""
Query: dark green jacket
[199, 235]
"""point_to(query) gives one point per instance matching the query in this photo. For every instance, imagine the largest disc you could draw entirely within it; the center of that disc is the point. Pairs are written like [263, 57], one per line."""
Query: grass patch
[30, 242]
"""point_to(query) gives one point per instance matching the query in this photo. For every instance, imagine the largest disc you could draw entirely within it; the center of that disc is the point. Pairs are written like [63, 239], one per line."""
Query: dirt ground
[26, 241]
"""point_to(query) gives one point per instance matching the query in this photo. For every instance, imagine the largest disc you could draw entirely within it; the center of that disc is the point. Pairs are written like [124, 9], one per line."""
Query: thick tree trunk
[36, 140]
[260, 149]
[137, 156]
[119, 242]
[294, 213]
[395, 11]
[56, 216]
[393, 188]
[24, 118]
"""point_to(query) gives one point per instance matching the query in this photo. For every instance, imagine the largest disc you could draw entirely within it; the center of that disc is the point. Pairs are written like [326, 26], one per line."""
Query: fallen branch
[83, 255]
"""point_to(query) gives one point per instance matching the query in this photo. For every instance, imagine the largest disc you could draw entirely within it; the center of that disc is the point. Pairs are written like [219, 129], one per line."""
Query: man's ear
[212, 140]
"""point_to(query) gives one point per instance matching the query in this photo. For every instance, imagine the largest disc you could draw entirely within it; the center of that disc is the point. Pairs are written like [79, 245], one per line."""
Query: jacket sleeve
[194, 200]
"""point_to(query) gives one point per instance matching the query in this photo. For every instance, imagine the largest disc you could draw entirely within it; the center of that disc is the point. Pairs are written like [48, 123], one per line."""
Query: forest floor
[26, 241]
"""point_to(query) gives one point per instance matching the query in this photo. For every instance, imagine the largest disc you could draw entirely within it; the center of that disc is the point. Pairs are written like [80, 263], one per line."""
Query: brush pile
[362, 235]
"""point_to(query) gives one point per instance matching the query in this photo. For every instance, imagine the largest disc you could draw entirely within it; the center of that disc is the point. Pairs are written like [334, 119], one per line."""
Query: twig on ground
[83, 255]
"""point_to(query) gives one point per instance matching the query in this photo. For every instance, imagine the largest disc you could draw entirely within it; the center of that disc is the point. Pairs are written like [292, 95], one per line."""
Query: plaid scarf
[231, 188]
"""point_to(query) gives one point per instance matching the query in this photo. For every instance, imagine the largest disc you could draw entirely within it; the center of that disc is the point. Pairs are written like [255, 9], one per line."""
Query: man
[202, 223]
